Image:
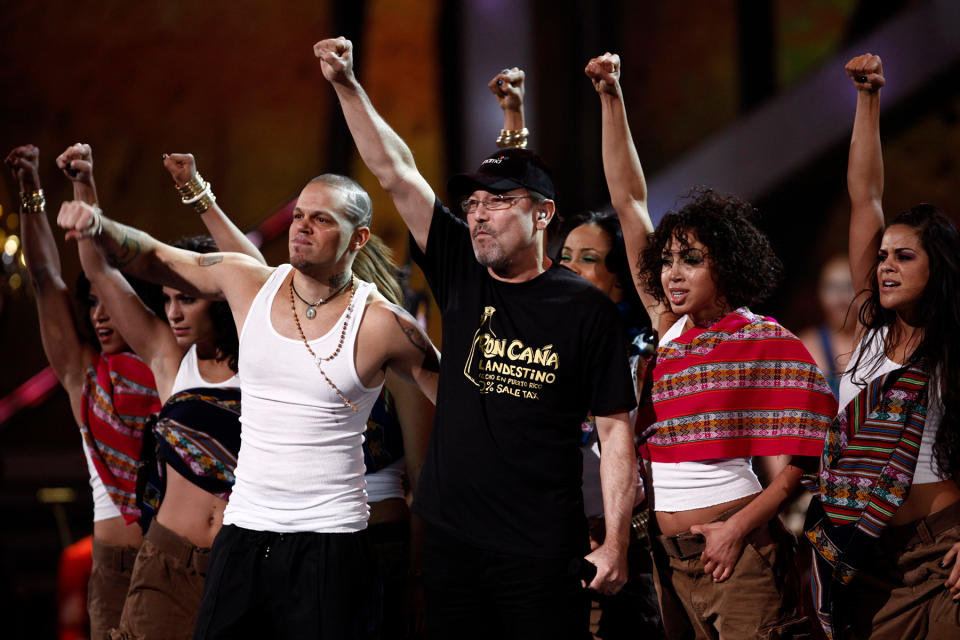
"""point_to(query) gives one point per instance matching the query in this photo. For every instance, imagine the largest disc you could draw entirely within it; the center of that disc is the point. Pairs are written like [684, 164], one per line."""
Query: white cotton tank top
[103, 506]
[300, 466]
[850, 386]
[387, 483]
[682, 486]
[188, 375]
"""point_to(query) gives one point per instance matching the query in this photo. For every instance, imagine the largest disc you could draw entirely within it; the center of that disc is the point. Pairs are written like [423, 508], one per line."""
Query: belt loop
[923, 531]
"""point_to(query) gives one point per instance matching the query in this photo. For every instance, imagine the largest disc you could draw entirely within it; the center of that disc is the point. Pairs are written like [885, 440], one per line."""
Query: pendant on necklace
[311, 313]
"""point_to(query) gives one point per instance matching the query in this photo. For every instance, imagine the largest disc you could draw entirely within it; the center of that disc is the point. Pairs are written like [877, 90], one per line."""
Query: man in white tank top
[292, 559]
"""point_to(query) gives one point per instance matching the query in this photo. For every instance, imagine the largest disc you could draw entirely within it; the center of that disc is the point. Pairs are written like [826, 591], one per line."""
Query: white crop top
[188, 375]
[300, 466]
[103, 506]
[682, 486]
[851, 385]
[387, 482]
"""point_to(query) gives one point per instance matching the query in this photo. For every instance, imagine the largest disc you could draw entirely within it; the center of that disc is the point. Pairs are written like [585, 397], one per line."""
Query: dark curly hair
[939, 308]
[745, 267]
[226, 341]
[616, 261]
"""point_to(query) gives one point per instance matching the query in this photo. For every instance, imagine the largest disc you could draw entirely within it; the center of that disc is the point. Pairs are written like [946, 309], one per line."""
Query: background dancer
[111, 390]
[885, 519]
[723, 564]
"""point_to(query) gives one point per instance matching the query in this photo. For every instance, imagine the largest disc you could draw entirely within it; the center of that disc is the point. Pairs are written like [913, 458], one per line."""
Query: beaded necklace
[343, 333]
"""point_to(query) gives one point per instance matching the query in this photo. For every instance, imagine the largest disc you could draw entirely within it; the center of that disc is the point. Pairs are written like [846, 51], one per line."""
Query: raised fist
[25, 162]
[866, 71]
[79, 219]
[507, 86]
[604, 73]
[336, 59]
[77, 163]
[182, 167]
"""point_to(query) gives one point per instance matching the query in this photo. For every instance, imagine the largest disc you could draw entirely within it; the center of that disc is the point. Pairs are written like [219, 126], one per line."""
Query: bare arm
[210, 275]
[225, 233]
[415, 413]
[865, 170]
[149, 336]
[507, 87]
[625, 180]
[383, 151]
[67, 354]
[725, 540]
[618, 478]
[77, 164]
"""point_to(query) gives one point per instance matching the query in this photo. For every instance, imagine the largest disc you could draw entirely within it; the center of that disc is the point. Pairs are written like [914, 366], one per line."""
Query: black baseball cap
[505, 170]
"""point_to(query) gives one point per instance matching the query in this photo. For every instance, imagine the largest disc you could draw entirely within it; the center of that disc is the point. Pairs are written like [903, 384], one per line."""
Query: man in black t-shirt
[528, 349]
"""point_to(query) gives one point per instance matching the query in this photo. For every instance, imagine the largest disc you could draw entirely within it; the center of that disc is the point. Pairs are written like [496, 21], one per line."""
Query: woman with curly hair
[728, 384]
[190, 448]
[885, 521]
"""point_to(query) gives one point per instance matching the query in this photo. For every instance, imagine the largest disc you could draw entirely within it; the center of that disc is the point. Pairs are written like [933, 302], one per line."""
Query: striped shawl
[742, 387]
[119, 394]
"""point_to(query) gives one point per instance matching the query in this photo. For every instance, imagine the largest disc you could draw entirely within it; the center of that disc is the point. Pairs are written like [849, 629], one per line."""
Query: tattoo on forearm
[430, 362]
[127, 250]
[209, 261]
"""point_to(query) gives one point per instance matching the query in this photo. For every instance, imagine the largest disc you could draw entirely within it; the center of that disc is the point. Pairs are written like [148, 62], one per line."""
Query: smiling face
[585, 253]
[689, 280]
[903, 269]
[500, 236]
[108, 336]
[189, 317]
[321, 232]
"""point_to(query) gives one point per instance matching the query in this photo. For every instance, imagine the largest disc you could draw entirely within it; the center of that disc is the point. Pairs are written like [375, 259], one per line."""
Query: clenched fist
[604, 73]
[336, 59]
[79, 219]
[24, 161]
[182, 167]
[866, 71]
[507, 86]
[77, 163]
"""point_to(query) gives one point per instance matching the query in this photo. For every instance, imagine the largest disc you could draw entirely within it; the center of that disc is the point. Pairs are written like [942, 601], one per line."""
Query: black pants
[290, 585]
[477, 593]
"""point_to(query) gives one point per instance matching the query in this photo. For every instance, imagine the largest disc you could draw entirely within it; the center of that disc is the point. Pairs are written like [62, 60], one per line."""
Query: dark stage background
[236, 84]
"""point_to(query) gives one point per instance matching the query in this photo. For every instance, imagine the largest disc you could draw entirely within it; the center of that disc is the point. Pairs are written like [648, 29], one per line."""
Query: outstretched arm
[67, 354]
[621, 166]
[507, 87]
[383, 151]
[865, 170]
[148, 335]
[618, 478]
[183, 170]
[212, 275]
[77, 164]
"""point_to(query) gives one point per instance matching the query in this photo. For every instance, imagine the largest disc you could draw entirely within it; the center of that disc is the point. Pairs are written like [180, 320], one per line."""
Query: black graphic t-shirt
[522, 364]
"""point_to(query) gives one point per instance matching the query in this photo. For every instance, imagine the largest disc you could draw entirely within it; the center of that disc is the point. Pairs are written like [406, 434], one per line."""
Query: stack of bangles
[32, 201]
[196, 192]
[513, 138]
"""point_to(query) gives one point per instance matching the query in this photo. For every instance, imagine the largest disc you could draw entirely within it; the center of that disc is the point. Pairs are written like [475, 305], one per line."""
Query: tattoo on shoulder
[430, 361]
[128, 249]
[209, 261]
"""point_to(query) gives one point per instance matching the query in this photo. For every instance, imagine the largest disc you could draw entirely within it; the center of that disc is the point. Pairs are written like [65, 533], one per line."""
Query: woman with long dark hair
[728, 385]
[885, 521]
[112, 392]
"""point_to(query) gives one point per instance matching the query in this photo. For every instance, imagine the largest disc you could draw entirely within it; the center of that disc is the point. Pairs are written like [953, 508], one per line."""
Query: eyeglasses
[690, 258]
[493, 203]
